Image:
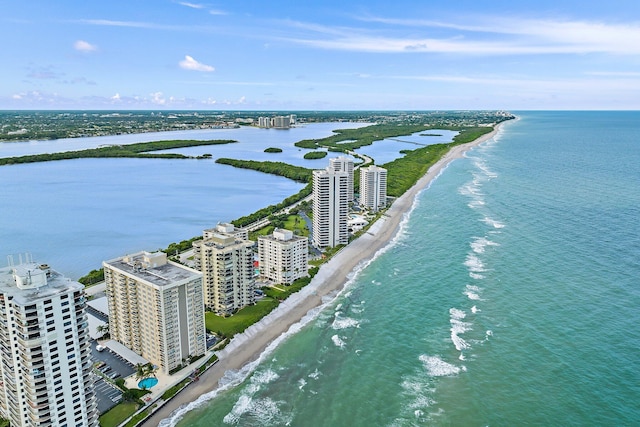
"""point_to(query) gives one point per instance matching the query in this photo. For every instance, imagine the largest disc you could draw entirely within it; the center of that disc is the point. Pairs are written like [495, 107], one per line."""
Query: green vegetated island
[143, 150]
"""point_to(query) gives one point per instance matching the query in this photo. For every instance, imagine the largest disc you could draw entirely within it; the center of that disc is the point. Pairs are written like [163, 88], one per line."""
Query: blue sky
[324, 55]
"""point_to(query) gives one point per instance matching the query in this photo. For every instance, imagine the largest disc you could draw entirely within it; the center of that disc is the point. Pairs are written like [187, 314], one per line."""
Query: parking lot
[112, 366]
[108, 395]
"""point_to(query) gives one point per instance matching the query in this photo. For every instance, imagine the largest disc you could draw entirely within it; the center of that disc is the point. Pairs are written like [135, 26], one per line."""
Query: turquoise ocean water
[510, 297]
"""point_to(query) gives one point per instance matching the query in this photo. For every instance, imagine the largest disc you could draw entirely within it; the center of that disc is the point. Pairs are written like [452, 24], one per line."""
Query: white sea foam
[337, 341]
[437, 367]
[476, 276]
[301, 383]
[344, 322]
[492, 222]
[459, 327]
[485, 169]
[315, 374]
[480, 243]
[264, 412]
[457, 314]
[472, 295]
[474, 309]
[474, 264]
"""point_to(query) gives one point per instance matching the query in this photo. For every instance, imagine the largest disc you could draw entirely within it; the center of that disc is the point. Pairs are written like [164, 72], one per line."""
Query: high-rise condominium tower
[330, 208]
[344, 164]
[283, 256]
[226, 262]
[45, 349]
[373, 188]
[156, 308]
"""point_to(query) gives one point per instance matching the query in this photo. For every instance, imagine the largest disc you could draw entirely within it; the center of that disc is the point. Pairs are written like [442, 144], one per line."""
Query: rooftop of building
[282, 235]
[30, 281]
[154, 268]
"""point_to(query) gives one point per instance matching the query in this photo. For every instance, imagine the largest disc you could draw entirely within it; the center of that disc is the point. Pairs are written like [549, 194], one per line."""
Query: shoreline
[248, 348]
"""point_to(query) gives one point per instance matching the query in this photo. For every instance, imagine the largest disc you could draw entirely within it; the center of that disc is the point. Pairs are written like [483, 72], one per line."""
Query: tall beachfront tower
[226, 263]
[373, 188]
[45, 349]
[344, 164]
[330, 208]
[283, 256]
[156, 308]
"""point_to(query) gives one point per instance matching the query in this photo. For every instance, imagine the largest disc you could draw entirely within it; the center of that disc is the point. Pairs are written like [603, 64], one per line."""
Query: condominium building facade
[344, 164]
[46, 368]
[373, 188]
[330, 208]
[283, 256]
[156, 308]
[226, 263]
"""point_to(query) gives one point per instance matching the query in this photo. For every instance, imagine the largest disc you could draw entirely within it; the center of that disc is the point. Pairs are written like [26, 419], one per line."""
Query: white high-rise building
[46, 368]
[344, 164]
[156, 308]
[227, 228]
[283, 256]
[373, 188]
[226, 263]
[330, 208]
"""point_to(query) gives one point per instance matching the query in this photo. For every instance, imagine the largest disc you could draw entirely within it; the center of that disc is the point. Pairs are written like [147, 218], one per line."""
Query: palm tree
[141, 371]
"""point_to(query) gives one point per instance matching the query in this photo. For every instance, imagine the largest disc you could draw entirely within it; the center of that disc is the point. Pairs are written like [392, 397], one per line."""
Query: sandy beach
[330, 279]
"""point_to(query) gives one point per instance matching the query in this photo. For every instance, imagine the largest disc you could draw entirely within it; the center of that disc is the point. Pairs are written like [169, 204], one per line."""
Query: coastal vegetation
[312, 155]
[296, 173]
[138, 150]
[273, 150]
[404, 172]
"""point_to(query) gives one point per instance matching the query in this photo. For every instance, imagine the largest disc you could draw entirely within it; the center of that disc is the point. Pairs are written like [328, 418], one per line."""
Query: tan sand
[332, 276]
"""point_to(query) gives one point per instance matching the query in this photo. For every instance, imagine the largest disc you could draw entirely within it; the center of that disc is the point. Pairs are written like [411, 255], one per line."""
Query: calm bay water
[74, 214]
[510, 298]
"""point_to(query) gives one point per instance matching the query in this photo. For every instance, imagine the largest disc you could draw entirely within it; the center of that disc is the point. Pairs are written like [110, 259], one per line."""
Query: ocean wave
[492, 222]
[474, 264]
[337, 341]
[476, 276]
[472, 292]
[263, 412]
[457, 314]
[437, 367]
[344, 322]
[482, 165]
[480, 243]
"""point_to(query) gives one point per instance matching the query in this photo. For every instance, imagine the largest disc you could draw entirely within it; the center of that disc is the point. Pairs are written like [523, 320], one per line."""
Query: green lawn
[229, 326]
[116, 415]
[294, 223]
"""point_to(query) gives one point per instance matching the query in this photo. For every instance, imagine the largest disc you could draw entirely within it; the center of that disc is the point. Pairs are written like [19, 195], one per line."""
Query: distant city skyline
[374, 55]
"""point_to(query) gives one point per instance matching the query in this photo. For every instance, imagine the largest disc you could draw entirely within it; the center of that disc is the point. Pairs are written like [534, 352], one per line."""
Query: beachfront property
[344, 164]
[226, 228]
[226, 263]
[156, 308]
[373, 188]
[283, 256]
[330, 207]
[45, 348]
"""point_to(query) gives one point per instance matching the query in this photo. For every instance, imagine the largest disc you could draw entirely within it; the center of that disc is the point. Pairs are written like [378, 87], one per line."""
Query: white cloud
[217, 12]
[83, 46]
[191, 5]
[157, 98]
[116, 97]
[489, 36]
[188, 63]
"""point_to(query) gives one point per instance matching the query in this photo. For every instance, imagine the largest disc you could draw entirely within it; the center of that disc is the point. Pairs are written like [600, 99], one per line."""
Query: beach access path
[331, 277]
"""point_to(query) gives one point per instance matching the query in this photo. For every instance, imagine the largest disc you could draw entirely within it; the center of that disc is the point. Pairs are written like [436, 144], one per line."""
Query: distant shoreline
[250, 346]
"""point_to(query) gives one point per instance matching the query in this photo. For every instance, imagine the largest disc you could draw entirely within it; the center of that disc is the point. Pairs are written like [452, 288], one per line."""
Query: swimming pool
[147, 383]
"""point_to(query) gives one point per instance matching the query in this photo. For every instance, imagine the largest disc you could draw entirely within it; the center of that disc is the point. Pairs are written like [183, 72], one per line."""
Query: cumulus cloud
[84, 46]
[188, 63]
